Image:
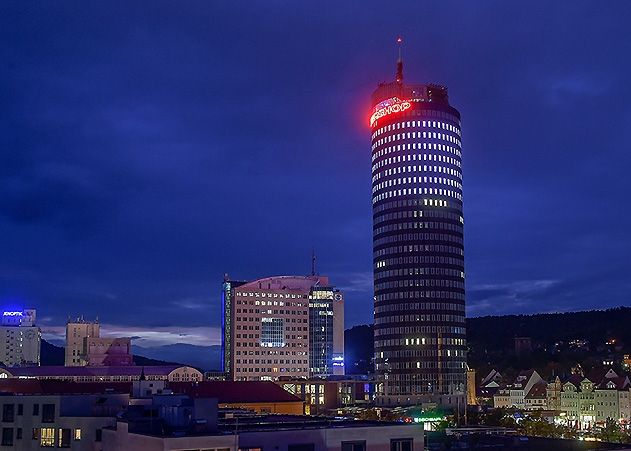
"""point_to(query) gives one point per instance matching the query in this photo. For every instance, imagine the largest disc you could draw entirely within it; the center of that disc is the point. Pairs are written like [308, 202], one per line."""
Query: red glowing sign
[390, 106]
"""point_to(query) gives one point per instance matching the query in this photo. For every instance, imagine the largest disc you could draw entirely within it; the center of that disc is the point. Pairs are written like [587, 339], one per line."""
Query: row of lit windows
[270, 352]
[401, 203]
[417, 341]
[49, 437]
[395, 319]
[398, 137]
[413, 156]
[270, 361]
[271, 370]
[271, 303]
[400, 226]
[287, 329]
[270, 295]
[281, 312]
[378, 161]
[419, 191]
[417, 134]
[408, 180]
[409, 124]
[403, 169]
[271, 312]
[416, 180]
[417, 156]
[256, 344]
[407, 330]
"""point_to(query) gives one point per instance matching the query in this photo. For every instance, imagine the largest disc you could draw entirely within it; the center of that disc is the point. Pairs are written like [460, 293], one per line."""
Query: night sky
[147, 148]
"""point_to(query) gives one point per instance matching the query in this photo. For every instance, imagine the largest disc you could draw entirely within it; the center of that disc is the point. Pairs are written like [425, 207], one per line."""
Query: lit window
[47, 437]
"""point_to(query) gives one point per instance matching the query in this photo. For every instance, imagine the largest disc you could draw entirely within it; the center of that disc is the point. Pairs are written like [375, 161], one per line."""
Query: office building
[326, 332]
[20, 338]
[418, 251]
[76, 333]
[267, 328]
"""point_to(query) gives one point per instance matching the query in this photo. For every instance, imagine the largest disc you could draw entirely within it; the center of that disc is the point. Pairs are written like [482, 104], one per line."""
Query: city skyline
[148, 158]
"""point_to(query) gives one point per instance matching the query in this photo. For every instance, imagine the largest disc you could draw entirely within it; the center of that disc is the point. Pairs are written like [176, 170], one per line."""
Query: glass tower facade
[418, 251]
[326, 340]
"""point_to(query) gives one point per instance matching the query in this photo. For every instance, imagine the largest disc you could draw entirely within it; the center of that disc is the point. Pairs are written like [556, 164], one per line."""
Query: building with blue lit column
[418, 251]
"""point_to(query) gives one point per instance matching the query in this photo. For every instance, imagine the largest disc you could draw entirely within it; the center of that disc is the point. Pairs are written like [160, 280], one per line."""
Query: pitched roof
[619, 383]
[575, 379]
[229, 392]
[493, 376]
[537, 391]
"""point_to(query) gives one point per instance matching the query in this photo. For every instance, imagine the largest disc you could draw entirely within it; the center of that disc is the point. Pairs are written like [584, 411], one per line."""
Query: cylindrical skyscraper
[418, 252]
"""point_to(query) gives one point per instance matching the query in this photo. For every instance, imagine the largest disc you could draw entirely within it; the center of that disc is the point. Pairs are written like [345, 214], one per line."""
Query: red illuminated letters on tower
[390, 106]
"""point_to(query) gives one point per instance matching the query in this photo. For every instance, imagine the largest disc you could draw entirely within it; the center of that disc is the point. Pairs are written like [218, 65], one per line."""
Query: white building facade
[20, 338]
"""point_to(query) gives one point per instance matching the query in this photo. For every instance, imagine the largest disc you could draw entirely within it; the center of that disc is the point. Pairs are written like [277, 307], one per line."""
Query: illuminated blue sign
[12, 314]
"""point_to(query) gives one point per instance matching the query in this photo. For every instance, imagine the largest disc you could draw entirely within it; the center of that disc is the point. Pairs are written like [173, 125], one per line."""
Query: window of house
[8, 413]
[20, 409]
[77, 434]
[46, 437]
[35, 409]
[401, 444]
[354, 446]
[63, 438]
[7, 436]
[48, 413]
[18, 433]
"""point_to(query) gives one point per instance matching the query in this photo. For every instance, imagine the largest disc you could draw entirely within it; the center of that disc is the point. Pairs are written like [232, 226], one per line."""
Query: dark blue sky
[146, 148]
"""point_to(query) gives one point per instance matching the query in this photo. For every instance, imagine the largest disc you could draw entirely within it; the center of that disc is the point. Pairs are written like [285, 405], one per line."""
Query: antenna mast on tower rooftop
[399, 77]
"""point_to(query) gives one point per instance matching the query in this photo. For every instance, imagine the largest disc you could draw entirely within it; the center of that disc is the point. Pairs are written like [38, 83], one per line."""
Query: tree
[610, 432]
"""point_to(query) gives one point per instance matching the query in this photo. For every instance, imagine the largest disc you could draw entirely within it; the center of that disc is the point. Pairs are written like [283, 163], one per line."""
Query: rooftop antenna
[313, 261]
[399, 77]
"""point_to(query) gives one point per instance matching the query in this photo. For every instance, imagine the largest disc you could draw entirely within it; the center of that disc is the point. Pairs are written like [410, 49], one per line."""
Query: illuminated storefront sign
[390, 106]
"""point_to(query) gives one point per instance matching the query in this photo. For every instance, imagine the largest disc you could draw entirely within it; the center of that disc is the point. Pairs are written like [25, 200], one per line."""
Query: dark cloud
[147, 150]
